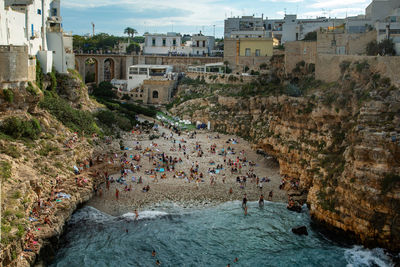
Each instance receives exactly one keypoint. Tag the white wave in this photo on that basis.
(89, 213)
(147, 214)
(359, 256)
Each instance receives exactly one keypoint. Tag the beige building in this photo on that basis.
(151, 84)
(250, 52)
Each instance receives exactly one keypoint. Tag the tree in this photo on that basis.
(311, 36)
(372, 48)
(135, 47)
(130, 31)
(384, 48)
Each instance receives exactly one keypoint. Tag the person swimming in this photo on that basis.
(261, 201)
(244, 202)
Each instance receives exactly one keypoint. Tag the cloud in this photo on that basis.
(338, 3)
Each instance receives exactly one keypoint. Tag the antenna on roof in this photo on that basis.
(285, 11)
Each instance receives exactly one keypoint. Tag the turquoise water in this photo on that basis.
(211, 236)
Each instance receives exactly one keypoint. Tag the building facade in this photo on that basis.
(151, 84)
(250, 52)
(162, 44)
(37, 25)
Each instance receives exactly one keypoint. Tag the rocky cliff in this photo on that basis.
(340, 142)
(35, 161)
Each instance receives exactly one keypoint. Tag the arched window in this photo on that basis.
(155, 94)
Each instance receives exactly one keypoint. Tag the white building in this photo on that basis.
(379, 10)
(37, 24)
(137, 74)
(162, 44)
(202, 45)
(245, 23)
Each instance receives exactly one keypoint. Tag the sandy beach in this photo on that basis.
(184, 191)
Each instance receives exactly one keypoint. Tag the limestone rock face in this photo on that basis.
(346, 157)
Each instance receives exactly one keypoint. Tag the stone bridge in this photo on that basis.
(105, 67)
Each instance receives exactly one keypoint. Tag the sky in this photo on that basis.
(190, 16)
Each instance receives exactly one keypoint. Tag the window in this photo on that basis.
(54, 12)
(141, 95)
(143, 71)
(136, 95)
(155, 94)
(164, 42)
(204, 43)
(174, 42)
(39, 11)
(153, 41)
(248, 52)
(258, 52)
(130, 77)
(198, 43)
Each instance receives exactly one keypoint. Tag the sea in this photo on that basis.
(206, 236)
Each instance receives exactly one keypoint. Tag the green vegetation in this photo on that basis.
(11, 150)
(389, 182)
(101, 41)
(384, 48)
(39, 75)
(48, 148)
(344, 65)
(109, 119)
(31, 89)
(311, 36)
(8, 95)
(5, 170)
(190, 81)
(53, 79)
(18, 128)
(76, 120)
(135, 47)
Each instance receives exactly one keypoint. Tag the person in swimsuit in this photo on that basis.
(244, 202)
(261, 201)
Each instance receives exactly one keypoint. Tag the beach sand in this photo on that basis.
(180, 191)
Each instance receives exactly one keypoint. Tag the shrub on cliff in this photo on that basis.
(389, 182)
(8, 95)
(76, 120)
(104, 90)
(5, 170)
(111, 119)
(18, 128)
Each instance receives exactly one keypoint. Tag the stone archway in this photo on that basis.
(109, 69)
(91, 70)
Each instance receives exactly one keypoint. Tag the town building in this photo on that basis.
(151, 84)
(202, 45)
(208, 68)
(247, 52)
(36, 24)
(242, 24)
(162, 44)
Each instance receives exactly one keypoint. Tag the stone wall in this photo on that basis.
(327, 68)
(13, 64)
(123, 62)
(299, 51)
(344, 43)
(218, 78)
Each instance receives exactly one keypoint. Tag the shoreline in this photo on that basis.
(172, 190)
(213, 188)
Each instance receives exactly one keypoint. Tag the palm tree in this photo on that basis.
(130, 31)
